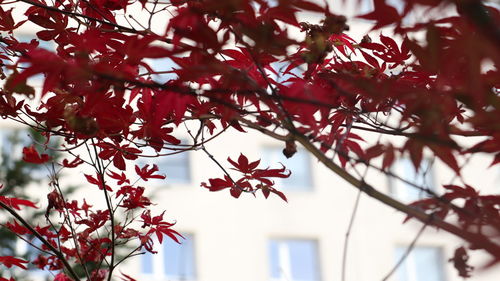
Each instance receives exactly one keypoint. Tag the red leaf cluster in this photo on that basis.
(16, 203)
(250, 174)
(31, 155)
(10, 261)
(235, 64)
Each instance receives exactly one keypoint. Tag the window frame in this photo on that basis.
(425, 178)
(272, 157)
(163, 163)
(285, 259)
(158, 270)
(410, 261)
(157, 65)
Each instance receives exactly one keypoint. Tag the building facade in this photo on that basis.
(257, 239)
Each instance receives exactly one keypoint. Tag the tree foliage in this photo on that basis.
(245, 65)
(16, 177)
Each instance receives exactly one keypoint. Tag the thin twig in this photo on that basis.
(406, 253)
(100, 169)
(59, 254)
(478, 239)
(348, 233)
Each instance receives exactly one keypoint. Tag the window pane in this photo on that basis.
(163, 66)
(298, 164)
(274, 260)
(428, 258)
(173, 261)
(402, 272)
(147, 263)
(179, 258)
(175, 167)
(423, 178)
(47, 45)
(294, 260)
(279, 74)
(303, 260)
(422, 264)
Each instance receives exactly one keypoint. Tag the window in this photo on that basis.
(176, 166)
(172, 262)
(164, 67)
(281, 67)
(423, 178)
(48, 45)
(422, 264)
(298, 164)
(294, 260)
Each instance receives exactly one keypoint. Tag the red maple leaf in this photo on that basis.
(145, 173)
(118, 153)
(243, 165)
(16, 203)
(17, 228)
(31, 155)
(97, 181)
(217, 184)
(121, 178)
(159, 227)
(73, 164)
(62, 277)
(126, 277)
(10, 261)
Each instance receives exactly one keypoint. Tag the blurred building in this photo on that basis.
(254, 239)
(257, 239)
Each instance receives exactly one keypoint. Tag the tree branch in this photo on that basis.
(59, 254)
(470, 237)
